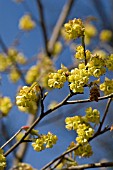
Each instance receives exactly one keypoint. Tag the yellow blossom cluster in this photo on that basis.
(81, 124)
(40, 71)
(109, 62)
(2, 160)
(26, 23)
(57, 79)
(45, 141)
(23, 166)
(106, 35)
(92, 115)
(74, 28)
(8, 63)
(80, 53)
(84, 150)
(78, 78)
(5, 105)
(96, 66)
(107, 86)
(26, 99)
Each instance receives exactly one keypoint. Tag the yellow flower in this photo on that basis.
(106, 35)
(5, 105)
(26, 23)
(74, 28)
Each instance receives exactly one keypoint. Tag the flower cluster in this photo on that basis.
(107, 86)
(84, 150)
(57, 48)
(106, 35)
(40, 71)
(80, 53)
(84, 131)
(3, 62)
(26, 23)
(81, 124)
(8, 62)
(74, 28)
(78, 78)
(92, 115)
(22, 165)
(14, 74)
(14, 55)
(26, 99)
(44, 141)
(96, 66)
(57, 79)
(109, 62)
(73, 122)
(2, 160)
(5, 105)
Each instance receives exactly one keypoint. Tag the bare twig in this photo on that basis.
(42, 22)
(105, 114)
(35, 123)
(83, 45)
(5, 49)
(74, 148)
(88, 100)
(92, 165)
(11, 138)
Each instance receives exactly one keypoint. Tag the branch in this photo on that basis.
(42, 22)
(93, 165)
(88, 100)
(65, 12)
(35, 123)
(105, 114)
(74, 148)
(5, 49)
(83, 45)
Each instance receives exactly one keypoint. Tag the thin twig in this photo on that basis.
(72, 149)
(92, 165)
(35, 123)
(88, 100)
(11, 138)
(83, 45)
(42, 22)
(5, 49)
(105, 114)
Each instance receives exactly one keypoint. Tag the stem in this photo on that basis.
(92, 165)
(33, 85)
(74, 148)
(11, 138)
(83, 45)
(35, 123)
(88, 100)
(42, 22)
(105, 114)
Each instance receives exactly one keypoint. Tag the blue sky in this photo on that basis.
(31, 44)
